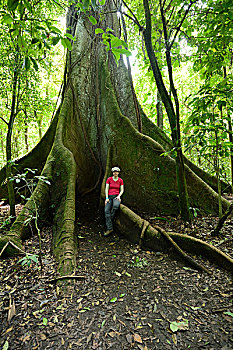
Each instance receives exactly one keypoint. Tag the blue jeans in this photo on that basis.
(110, 210)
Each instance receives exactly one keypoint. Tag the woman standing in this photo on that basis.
(113, 191)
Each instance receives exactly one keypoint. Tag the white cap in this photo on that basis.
(115, 168)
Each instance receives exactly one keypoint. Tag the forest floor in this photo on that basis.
(128, 299)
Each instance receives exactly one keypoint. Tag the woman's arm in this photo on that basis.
(106, 193)
(121, 192)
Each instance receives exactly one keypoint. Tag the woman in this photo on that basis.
(113, 191)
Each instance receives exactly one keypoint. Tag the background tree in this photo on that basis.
(28, 33)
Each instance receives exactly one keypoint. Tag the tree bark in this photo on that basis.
(159, 110)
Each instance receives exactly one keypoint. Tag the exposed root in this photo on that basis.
(144, 228)
(186, 257)
(22, 228)
(63, 199)
(67, 277)
(130, 224)
(221, 221)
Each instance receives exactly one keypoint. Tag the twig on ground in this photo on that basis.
(65, 278)
(222, 309)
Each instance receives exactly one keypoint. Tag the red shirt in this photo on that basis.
(114, 186)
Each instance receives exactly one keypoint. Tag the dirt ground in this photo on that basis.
(127, 298)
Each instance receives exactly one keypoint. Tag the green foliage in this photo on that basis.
(29, 34)
(29, 260)
(138, 262)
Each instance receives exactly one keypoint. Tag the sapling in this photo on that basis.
(29, 183)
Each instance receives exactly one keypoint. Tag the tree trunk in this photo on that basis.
(97, 129)
(159, 109)
(10, 187)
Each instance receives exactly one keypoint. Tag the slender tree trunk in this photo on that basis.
(39, 121)
(230, 133)
(172, 114)
(2, 145)
(10, 187)
(26, 136)
(15, 144)
(159, 109)
(217, 172)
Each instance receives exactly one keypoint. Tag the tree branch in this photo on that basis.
(181, 22)
(4, 120)
(137, 21)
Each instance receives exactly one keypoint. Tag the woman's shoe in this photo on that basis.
(108, 232)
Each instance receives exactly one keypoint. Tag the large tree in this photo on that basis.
(95, 128)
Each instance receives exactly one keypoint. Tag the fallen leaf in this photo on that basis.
(137, 338)
(112, 334)
(182, 326)
(129, 338)
(117, 273)
(42, 336)
(174, 338)
(89, 338)
(228, 318)
(26, 338)
(11, 311)
(8, 330)
(113, 300)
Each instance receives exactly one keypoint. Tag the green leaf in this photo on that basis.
(70, 36)
(34, 41)
(45, 321)
(122, 295)
(116, 55)
(159, 218)
(34, 258)
(35, 65)
(115, 41)
(92, 20)
(55, 40)
(12, 4)
(66, 43)
(27, 5)
(54, 29)
(86, 4)
(99, 31)
(6, 345)
(26, 63)
(102, 2)
(175, 326)
(228, 313)
(93, 4)
(21, 8)
(7, 19)
(113, 300)
(122, 51)
(195, 307)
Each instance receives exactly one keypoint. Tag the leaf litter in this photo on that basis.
(157, 305)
